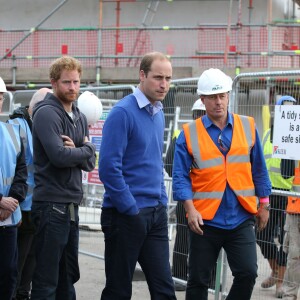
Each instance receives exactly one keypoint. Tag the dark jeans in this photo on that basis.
(8, 261)
(57, 241)
(26, 256)
(141, 238)
(274, 228)
(240, 247)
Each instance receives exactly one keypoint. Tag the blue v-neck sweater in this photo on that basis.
(130, 164)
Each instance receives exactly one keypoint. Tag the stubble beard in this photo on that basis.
(66, 97)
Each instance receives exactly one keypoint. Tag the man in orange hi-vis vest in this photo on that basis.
(220, 175)
(291, 282)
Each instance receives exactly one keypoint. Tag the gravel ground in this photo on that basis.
(92, 279)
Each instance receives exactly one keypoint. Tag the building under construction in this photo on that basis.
(256, 42)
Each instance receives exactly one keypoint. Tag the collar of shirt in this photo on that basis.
(143, 102)
(208, 123)
(221, 138)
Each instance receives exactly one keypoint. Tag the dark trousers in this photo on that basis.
(240, 247)
(141, 238)
(8, 261)
(57, 242)
(274, 228)
(26, 256)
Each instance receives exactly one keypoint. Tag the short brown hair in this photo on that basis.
(148, 59)
(64, 63)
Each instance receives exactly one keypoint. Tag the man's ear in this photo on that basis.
(142, 75)
(53, 83)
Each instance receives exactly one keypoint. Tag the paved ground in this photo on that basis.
(93, 278)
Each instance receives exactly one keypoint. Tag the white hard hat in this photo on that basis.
(2, 86)
(198, 105)
(214, 81)
(91, 106)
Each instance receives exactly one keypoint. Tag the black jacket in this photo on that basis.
(22, 112)
(58, 170)
(18, 189)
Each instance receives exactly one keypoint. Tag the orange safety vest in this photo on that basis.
(210, 171)
(293, 206)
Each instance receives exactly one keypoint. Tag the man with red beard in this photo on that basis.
(61, 151)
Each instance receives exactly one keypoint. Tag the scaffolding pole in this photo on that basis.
(228, 33)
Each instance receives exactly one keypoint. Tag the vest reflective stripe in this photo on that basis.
(10, 150)
(240, 158)
(266, 141)
(273, 165)
(246, 193)
(293, 206)
(198, 162)
(266, 137)
(23, 137)
(13, 138)
(23, 134)
(274, 169)
(8, 181)
(209, 169)
(247, 130)
(296, 182)
(296, 188)
(194, 145)
(26, 137)
(207, 195)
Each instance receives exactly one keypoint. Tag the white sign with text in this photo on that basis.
(286, 134)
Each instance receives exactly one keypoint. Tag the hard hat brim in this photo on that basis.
(200, 93)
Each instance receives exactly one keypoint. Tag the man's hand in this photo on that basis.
(4, 214)
(262, 217)
(68, 142)
(9, 203)
(194, 217)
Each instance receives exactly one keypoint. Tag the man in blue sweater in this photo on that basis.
(134, 217)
